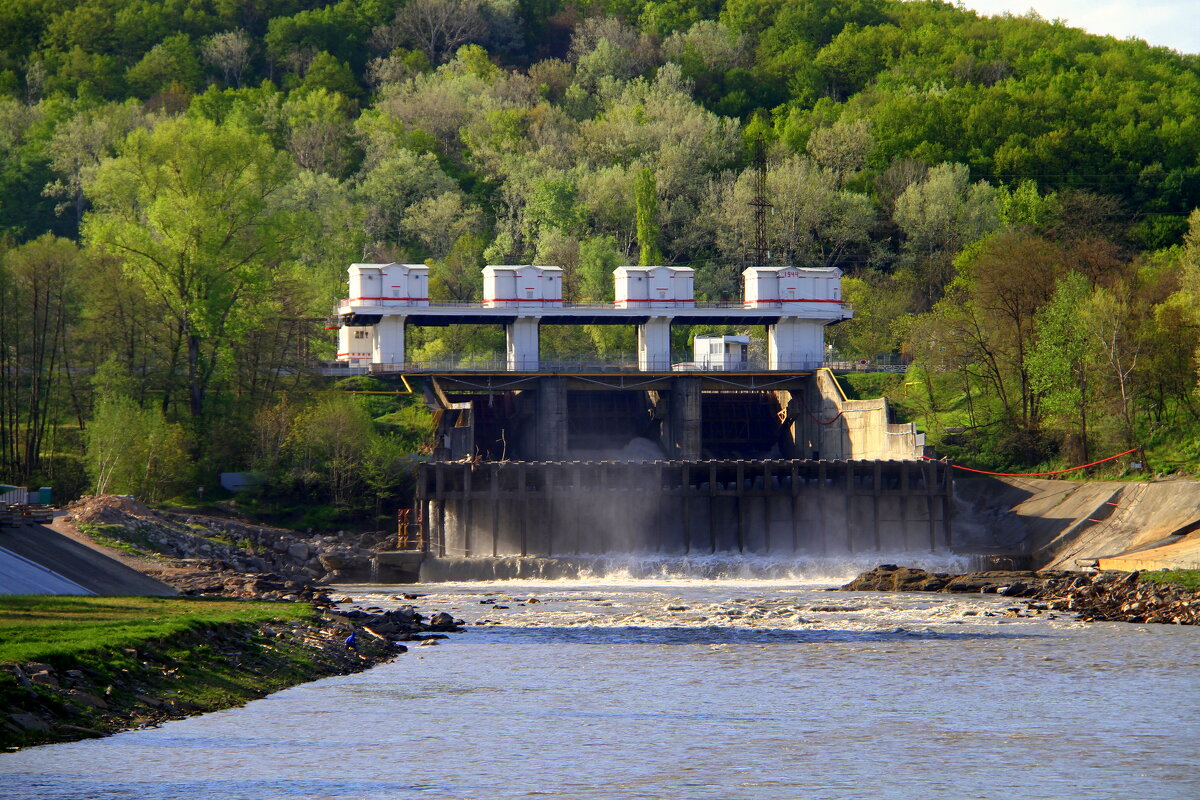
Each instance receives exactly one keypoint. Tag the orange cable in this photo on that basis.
(1037, 474)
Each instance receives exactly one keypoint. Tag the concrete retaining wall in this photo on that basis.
(838, 428)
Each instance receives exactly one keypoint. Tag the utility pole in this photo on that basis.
(761, 204)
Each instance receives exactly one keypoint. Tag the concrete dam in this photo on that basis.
(761, 507)
(716, 451)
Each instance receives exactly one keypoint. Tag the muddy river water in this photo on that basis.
(690, 690)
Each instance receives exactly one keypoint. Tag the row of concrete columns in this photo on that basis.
(792, 344)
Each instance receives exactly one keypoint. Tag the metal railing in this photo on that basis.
(613, 364)
(586, 304)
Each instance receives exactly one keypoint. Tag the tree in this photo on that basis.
(646, 200)
(598, 257)
(81, 143)
(1061, 360)
(38, 284)
(319, 130)
(439, 222)
(1021, 206)
(459, 276)
(195, 212)
(229, 52)
(939, 216)
(134, 450)
(326, 444)
(172, 62)
(812, 222)
(326, 73)
(1105, 319)
(395, 183)
(436, 27)
(842, 148)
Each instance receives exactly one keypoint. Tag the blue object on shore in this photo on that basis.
(351, 642)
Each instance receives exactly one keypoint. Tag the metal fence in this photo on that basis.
(615, 364)
(589, 304)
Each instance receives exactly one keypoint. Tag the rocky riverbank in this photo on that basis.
(213, 667)
(1093, 597)
(213, 556)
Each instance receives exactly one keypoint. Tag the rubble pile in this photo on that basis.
(1095, 597)
(204, 555)
(1121, 597)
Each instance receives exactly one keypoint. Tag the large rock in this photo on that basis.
(298, 551)
(891, 578)
(29, 722)
(441, 621)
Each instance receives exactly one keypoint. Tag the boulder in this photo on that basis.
(86, 699)
(44, 678)
(29, 722)
(441, 621)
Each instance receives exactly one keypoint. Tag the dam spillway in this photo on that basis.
(762, 507)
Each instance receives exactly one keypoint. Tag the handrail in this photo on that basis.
(613, 305)
(681, 364)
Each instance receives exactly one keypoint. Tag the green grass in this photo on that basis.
(120, 537)
(41, 628)
(1187, 578)
(969, 430)
(869, 385)
(153, 658)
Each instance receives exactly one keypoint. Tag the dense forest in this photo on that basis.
(183, 184)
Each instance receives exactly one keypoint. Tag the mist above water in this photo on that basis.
(716, 568)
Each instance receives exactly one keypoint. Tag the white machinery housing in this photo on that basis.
(389, 285)
(787, 288)
(522, 286)
(654, 287)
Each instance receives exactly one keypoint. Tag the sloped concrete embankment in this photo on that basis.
(1061, 524)
(35, 559)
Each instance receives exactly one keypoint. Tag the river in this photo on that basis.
(689, 690)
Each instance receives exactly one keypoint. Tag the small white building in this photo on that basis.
(356, 345)
(790, 288)
(654, 287)
(721, 352)
(522, 286)
(389, 285)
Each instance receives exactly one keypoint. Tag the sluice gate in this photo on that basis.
(763, 507)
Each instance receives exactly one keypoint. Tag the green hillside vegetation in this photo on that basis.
(183, 184)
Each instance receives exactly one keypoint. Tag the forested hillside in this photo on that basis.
(183, 183)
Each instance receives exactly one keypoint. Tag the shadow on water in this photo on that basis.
(716, 635)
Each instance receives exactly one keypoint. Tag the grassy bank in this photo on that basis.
(1187, 578)
(40, 628)
(73, 667)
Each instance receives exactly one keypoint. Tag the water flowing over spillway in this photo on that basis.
(613, 687)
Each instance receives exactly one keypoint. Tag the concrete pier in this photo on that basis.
(764, 507)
